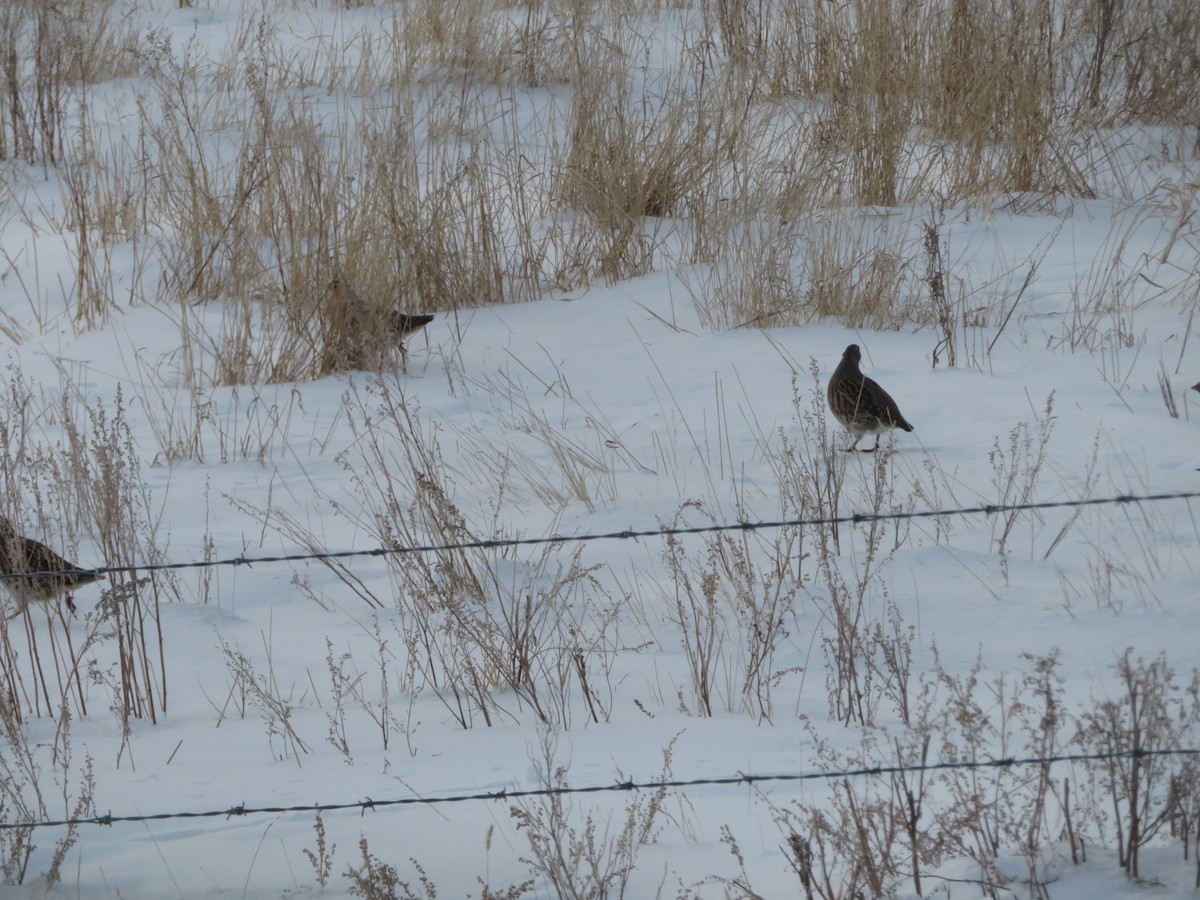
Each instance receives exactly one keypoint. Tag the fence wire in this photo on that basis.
(370, 805)
(627, 534)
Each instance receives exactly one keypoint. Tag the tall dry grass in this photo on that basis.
(443, 161)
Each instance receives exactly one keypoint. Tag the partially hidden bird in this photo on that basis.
(36, 574)
(861, 405)
(361, 333)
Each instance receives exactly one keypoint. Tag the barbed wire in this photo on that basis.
(370, 805)
(627, 534)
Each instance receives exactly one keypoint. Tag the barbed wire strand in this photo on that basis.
(627, 534)
(370, 805)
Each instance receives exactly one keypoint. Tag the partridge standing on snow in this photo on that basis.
(360, 334)
(861, 405)
(42, 574)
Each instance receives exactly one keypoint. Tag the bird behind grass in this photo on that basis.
(360, 334)
(35, 573)
(861, 405)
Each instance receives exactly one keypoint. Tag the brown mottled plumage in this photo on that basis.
(360, 333)
(861, 405)
(46, 574)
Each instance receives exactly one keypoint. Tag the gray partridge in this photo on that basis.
(44, 574)
(861, 405)
(361, 333)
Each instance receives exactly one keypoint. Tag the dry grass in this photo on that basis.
(450, 190)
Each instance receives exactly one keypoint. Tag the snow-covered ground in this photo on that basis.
(776, 651)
